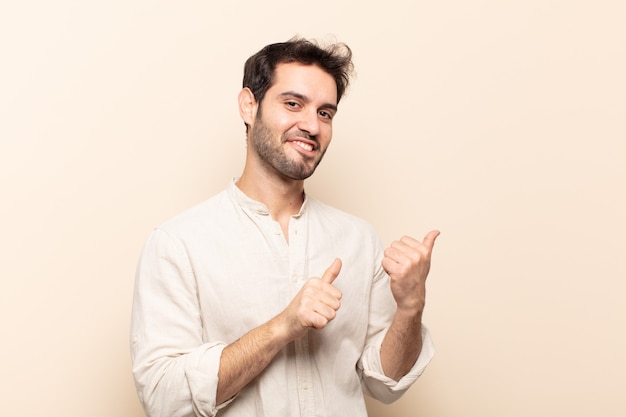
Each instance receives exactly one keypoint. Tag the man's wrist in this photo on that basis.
(409, 316)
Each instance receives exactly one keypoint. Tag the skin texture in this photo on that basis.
(288, 134)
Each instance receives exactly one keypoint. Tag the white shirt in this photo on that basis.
(222, 268)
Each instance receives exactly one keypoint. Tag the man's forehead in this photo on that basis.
(304, 79)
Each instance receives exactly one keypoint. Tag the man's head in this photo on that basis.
(288, 101)
(260, 68)
(292, 133)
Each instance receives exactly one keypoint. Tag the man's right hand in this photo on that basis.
(315, 305)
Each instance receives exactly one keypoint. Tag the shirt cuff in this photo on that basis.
(387, 389)
(202, 379)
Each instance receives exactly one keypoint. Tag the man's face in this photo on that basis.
(293, 127)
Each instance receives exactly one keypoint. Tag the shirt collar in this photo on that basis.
(246, 202)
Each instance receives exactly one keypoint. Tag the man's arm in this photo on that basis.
(407, 263)
(314, 306)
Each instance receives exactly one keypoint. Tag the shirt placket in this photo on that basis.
(298, 272)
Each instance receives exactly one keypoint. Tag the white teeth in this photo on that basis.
(303, 145)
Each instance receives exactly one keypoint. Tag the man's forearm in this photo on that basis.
(245, 358)
(402, 345)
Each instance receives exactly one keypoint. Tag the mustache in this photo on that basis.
(299, 134)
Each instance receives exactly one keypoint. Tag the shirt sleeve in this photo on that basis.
(175, 369)
(377, 385)
(382, 309)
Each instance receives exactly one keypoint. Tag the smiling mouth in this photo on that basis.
(306, 146)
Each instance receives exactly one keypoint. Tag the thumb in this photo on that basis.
(332, 271)
(429, 239)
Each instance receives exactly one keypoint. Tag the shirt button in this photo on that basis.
(305, 385)
(296, 278)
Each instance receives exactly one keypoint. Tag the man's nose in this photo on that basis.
(309, 122)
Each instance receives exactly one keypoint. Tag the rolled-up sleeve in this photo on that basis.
(175, 370)
(377, 385)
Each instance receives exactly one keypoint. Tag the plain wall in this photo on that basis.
(502, 123)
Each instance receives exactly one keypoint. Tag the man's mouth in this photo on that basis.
(306, 146)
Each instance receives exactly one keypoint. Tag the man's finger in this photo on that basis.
(332, 271)
(429, 239)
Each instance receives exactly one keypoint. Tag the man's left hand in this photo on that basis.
(407, 261)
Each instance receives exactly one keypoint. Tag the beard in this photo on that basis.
(273, 154)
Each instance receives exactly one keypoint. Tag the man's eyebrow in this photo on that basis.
(306, 99)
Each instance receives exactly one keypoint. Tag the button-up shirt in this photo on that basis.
(222, 268)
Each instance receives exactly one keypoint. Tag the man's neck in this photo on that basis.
(282, 196)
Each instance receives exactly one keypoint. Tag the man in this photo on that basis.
(262, 301)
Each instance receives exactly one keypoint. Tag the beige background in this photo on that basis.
(501, 123)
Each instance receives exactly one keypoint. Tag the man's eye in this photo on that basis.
(325, 114)
(292, 104)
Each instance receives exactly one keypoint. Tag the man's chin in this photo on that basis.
(300, 171)
(299, 174)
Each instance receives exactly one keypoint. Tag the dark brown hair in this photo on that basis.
(335, 59)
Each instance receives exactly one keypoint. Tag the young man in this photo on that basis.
(262, 301)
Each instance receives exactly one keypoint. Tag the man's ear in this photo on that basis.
(247, 106)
